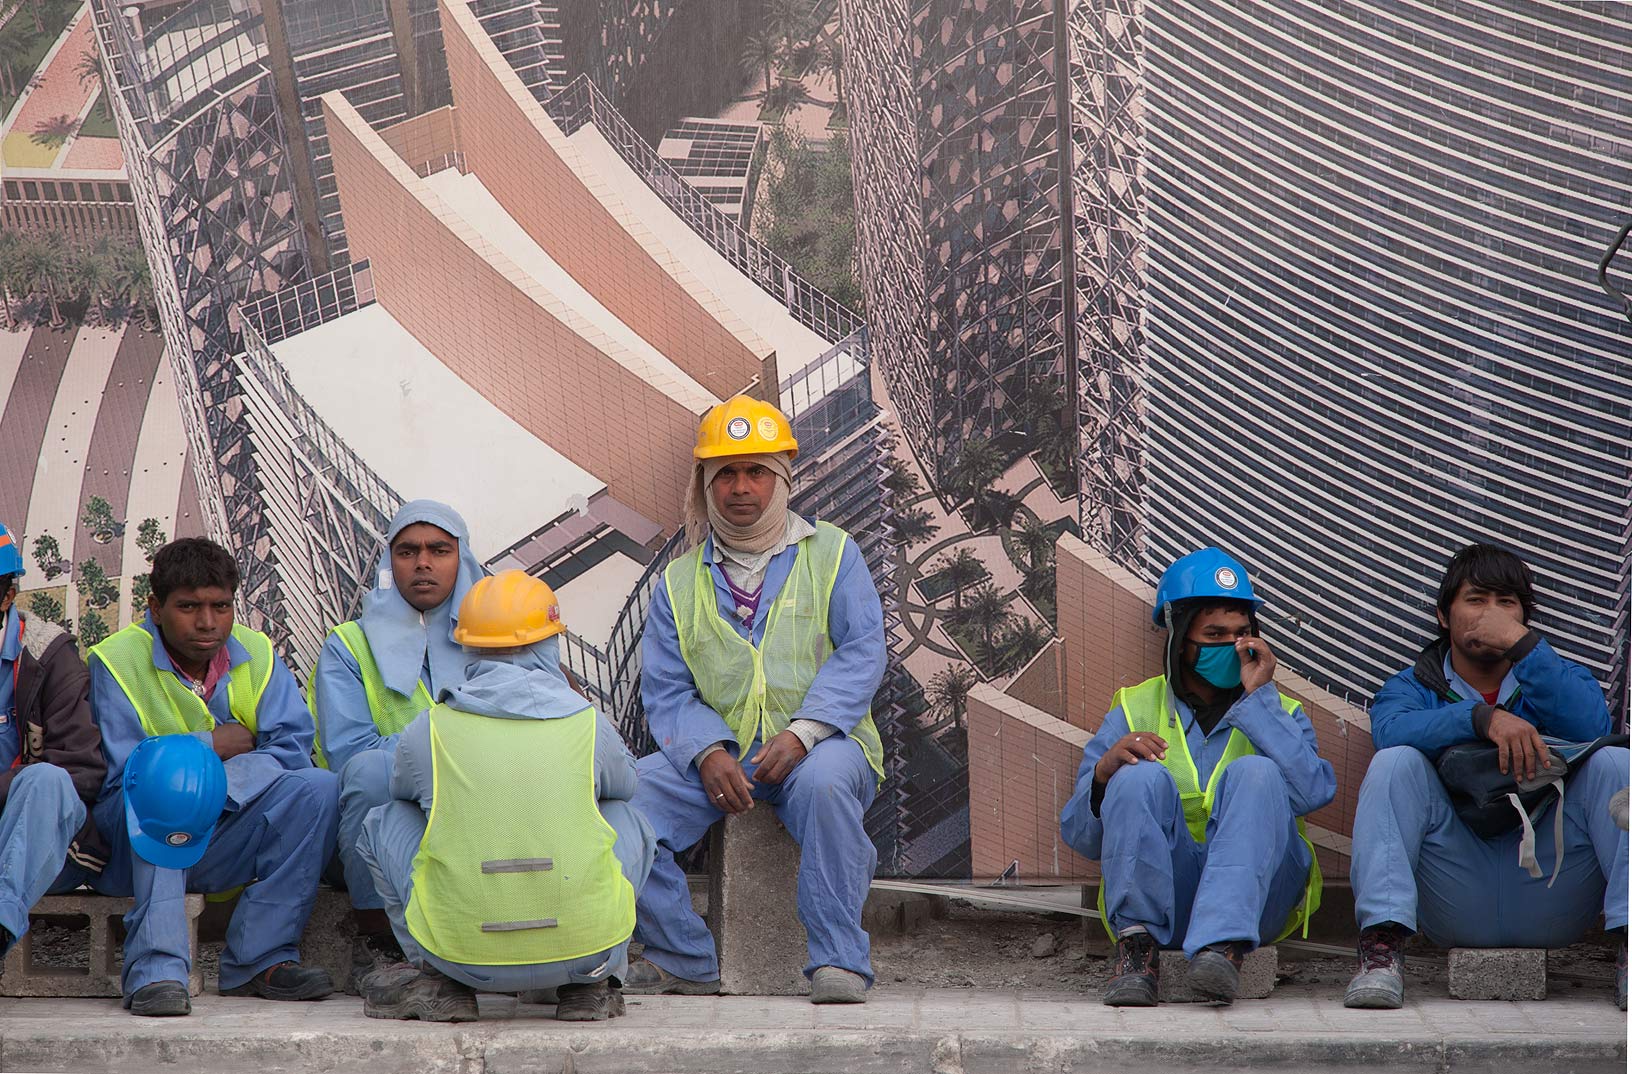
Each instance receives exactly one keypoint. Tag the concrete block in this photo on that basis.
(900, 913)
(1498, 972)
(1257, 976)
(753, 873)
(100, 978)
(329, 932)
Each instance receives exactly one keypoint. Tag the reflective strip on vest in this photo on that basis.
(1145, 707)
(390, 710)
(758, 690)
(516, 866)
(167, 706)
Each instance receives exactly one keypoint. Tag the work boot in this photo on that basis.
(829, 984)
(1380, 984)
(588, 1002)
(286, 981)
(427, 995)
(1133, 983)
(161, 999)
(370, 953)
(1620, 972)
(1215, 972)
(649, 979)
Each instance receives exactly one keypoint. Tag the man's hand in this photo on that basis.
(1130, 749)
(1519, 748)
(777, 758)
(1257, 662)
(231, 739)
(727, 787)
(1497, 629)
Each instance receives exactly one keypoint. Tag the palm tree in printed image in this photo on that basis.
(53, 133)
(43, 268)
(961, 568)
(1020, 642)
(90, 72)
(986, 611)
(1035, 542)
(970, 478)
(760, 53)
(133, 281)
(830, 60)
(948, 692)
(90, 277)
(790, 22)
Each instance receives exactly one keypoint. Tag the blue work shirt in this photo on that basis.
(841, 694)
(11, 648)
(1425, 707)
(283, 736)
(1287, 738)
(341, 705)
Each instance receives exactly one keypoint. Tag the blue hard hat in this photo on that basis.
(175, 788)
(11, 555)
(1207, 573)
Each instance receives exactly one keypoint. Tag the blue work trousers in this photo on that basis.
(1242, 883)
(365, 785)
(390, 839)
(41, 815)
(277, 843)
(821, 803)
(1415, 863)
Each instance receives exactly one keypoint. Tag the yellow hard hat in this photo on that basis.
(506, 611)
(744, 426)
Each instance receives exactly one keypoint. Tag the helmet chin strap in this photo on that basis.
(1167, 667)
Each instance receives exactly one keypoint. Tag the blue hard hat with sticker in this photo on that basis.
(1209, 572)
(175, 787)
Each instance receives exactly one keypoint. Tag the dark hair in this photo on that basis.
(192, 563)
(1488, 566)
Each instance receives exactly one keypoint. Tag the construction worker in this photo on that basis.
(523, 877)
(1190, 793)
(1489, 676)
(187, 668)
(375, 674)
(763, 649)
(51, 764)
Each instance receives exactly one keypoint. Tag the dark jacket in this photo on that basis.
(1418, 707)
(55, 726)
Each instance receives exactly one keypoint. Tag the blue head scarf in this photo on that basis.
(402, 639)
(527, 684)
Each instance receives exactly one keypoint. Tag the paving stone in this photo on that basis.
(753, 906)
(100, 978)
(1498, 973)
(1257, 976)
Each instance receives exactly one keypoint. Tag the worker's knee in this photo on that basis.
(1139, 785)
(1400, 766)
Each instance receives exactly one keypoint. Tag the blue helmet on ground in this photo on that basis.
(175, 787)
(11, 554)
(1207, 573)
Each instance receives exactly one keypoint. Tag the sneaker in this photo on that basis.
(1133, 982)
(1380, 984)
(829, 984)
(285, 981)
(426, 995)
(1215, 972)
(649, 979)
(370, 953)
(161, 999)
(588, 1002)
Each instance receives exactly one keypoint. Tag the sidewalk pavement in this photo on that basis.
(898, 1031)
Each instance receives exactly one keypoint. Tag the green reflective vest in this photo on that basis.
(516, 865)
(391, 711)
(758, 690)
(166, 705)
(1146, 709)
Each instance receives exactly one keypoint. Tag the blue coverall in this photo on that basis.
(1415, 863)
(392, 833)
(278, 830)
(821, 802)
(42, 809)
(1244, 880)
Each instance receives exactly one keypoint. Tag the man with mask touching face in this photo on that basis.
(376, 674)
(1189, 796)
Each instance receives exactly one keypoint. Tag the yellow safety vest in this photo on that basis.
(391, 711)
(759, 689)
(1145, 708)
(516, 866)
(167, 706)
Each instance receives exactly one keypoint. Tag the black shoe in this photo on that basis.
(370, 953)
(427, 995)
(161, 999)
(1215, 972)
(588, 1002)
(649, 979)
(1133, 982)
(287, 981)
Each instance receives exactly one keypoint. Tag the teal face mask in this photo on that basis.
(1219, 664)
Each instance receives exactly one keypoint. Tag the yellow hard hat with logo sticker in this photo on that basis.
(507, 611)
(744, 426)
